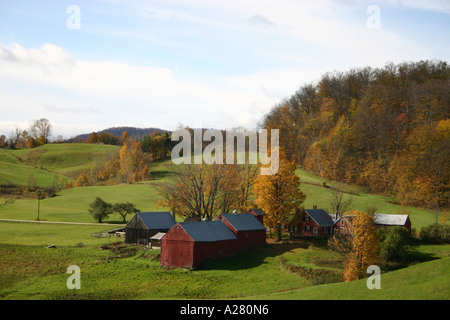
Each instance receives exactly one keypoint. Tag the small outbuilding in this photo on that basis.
(247, 228)
(344, 223)
(144, 225)
(388, 220)
(258, 213)
(187, 244)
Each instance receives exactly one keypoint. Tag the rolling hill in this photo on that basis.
(64, 160)
(69, 160)
(424, 281)
(137, 133)
(427, 280)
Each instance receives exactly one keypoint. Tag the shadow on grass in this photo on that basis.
(160, 174)
(251, 258)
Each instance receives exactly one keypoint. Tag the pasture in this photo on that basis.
(30, 270)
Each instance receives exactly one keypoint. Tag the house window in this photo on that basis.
(306, 218)
(342, 222)
(307, 229)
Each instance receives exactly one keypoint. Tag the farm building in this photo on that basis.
(380, 219)
(402, 220)
(248, 230)
(258, 213)
(187, 244)
(144, 225)
(343, 223)
(312, 223)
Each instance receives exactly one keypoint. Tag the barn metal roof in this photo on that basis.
(243, 221)
(390, 219)
(208, 231)
(157, 220)
(320, 216)
(158, 236)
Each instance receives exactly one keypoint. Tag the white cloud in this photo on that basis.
(286, 42)
(48, 82)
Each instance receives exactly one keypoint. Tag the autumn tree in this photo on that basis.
(82, 180)
(133, 163)
(279, 194)
(92, 138)
(158, 145)
(365, 250)
(380, 128)
(247, 174)
(201, 191)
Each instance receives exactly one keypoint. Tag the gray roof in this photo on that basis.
(243, 221)
(157, 220)
(208, 231)
(390, 219)
(158, 236)
(320, 216)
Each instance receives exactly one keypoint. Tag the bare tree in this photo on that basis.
(201, 191)
(14, 138)
(339, 203)
(41, 129)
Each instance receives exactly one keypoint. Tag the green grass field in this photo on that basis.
(28, 270)
(425, 281)
(44, 162)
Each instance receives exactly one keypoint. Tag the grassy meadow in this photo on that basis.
(110, 270)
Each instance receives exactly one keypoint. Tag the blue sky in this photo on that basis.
(210, 63)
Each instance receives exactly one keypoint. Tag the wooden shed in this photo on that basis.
(187, 244)
(247, 227)
(390, 220)
(144, 225)
(345, 222)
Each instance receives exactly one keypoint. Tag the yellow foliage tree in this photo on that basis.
(365, 246)
(82, 181)
(279, 194)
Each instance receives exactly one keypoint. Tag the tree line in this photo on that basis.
(38, 134)
(203, 191)
(384, 129)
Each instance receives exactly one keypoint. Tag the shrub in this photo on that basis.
(436, 232)
(394, 243)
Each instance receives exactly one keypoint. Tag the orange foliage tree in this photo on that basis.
(279, 194)
(365, 247)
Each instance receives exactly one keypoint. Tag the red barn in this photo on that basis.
(258, 213)
(187, 244)
(248, 229)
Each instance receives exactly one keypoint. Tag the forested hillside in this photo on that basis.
(386, 129)
(137, 133)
